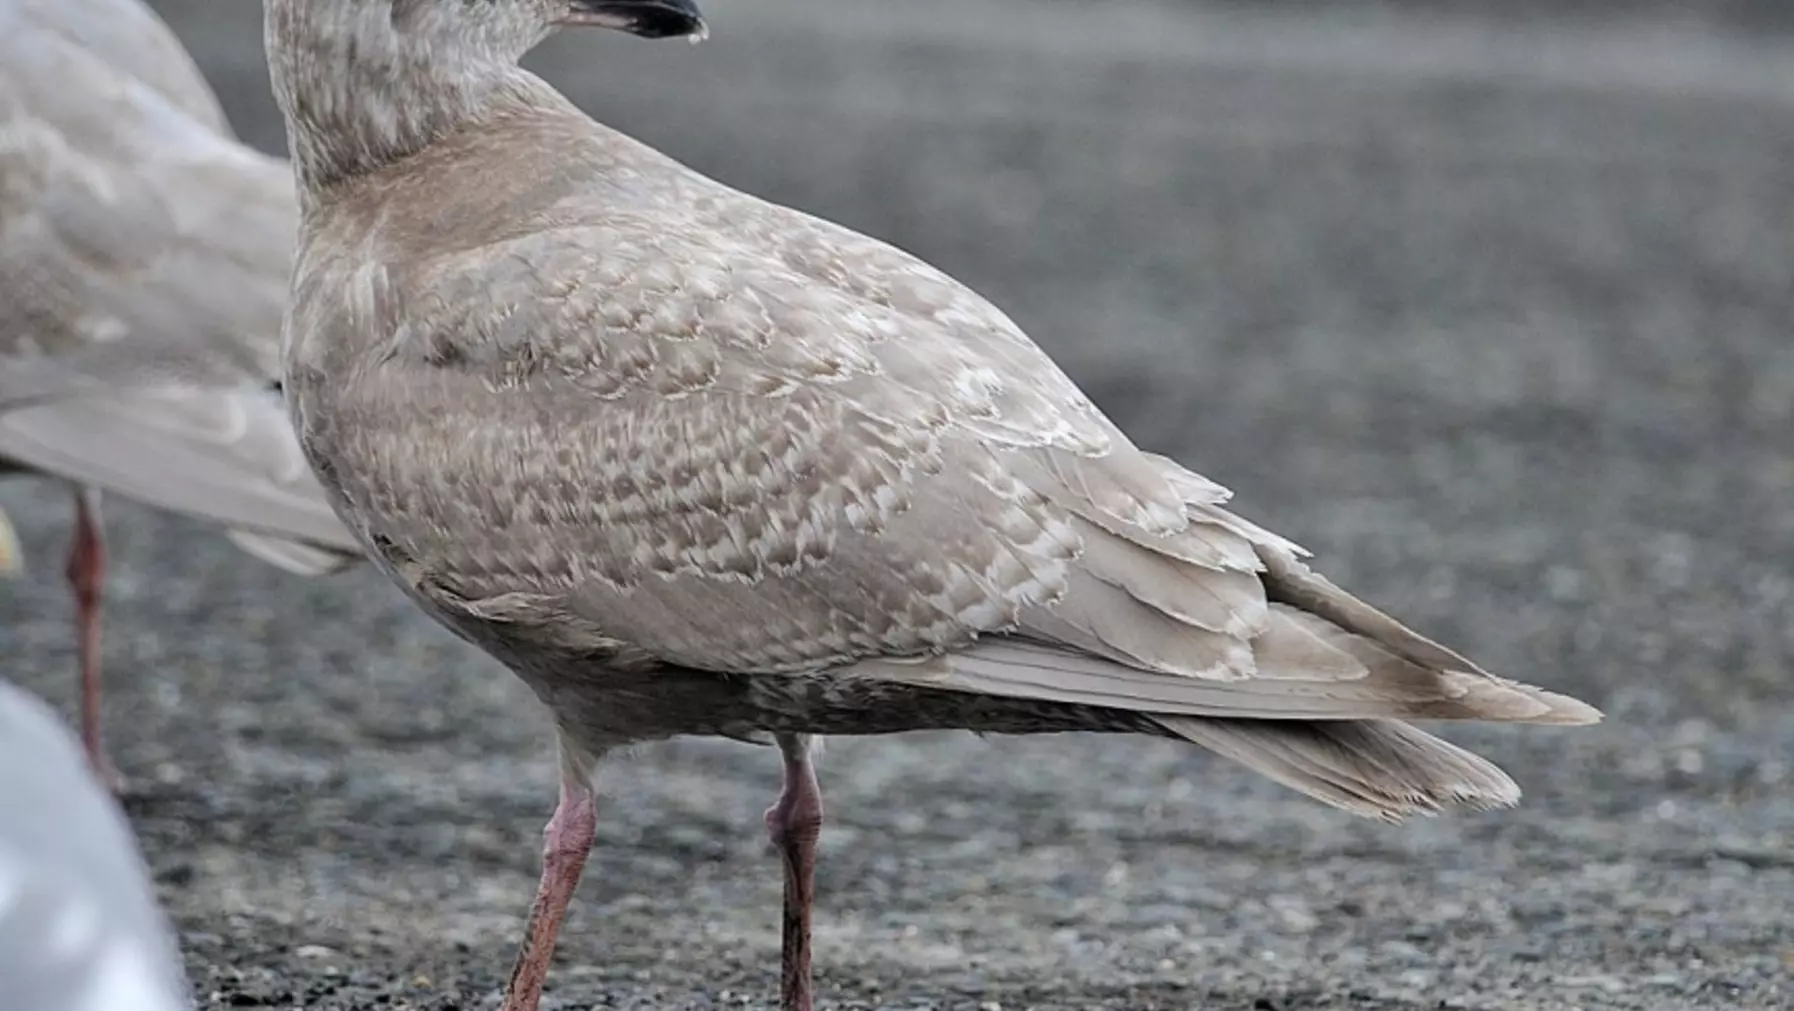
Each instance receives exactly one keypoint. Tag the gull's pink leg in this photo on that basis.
(795, 823)
(567, 840)
(87, 576)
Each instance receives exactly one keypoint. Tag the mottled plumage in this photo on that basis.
(79, 925)
(144, 261)
(694, 463)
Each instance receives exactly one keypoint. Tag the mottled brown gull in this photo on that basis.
(695, 464)
(144, 260)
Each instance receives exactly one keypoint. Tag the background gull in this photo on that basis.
(143, 259)
(692, 463)
(79, 925)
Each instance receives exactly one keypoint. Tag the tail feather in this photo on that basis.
(1380, 769)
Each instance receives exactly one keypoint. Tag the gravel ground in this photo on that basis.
(1493, 318)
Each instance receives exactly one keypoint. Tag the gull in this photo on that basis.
(144, 259)
(691, 463)
(79, 926)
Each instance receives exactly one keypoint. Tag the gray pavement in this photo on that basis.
(1495, 318)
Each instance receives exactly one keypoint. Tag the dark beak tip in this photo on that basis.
(648, 19)
(660, 23)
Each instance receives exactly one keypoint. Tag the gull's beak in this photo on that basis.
(651, 19)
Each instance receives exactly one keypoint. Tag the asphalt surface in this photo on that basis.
(1495, 318)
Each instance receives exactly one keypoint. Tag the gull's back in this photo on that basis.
(79, 926)
(144, 254)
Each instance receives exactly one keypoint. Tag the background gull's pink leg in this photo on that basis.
(87, 576)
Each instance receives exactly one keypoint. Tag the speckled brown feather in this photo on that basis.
(693, 463)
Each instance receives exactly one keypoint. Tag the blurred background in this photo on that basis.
(1487, 304)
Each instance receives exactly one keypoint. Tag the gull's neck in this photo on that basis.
(358, 96)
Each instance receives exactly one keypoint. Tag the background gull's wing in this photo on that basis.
(144, 255)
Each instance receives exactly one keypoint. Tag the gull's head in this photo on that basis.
(505, 28)
(400, 36)
(511, 27)
(365, 81)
